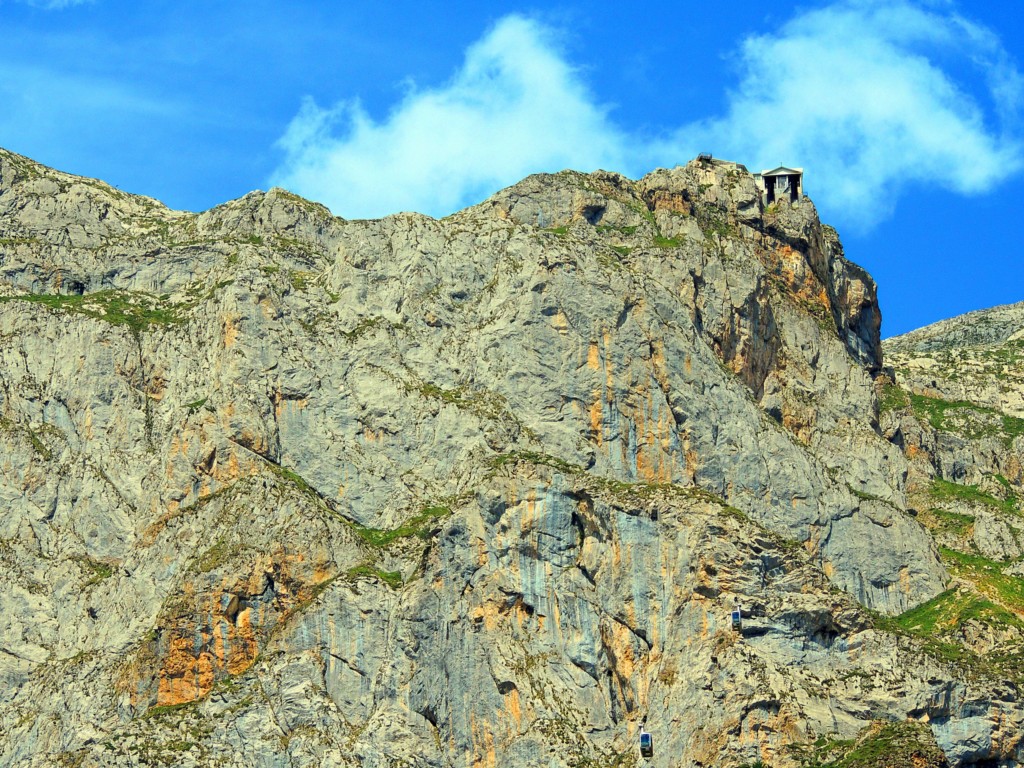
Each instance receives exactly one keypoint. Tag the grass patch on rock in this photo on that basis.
(484, 404)
(968, 419)
(988, 577)
(892, 397)
(985, 607)
(215, 556)
(97, 570)
(944, 521)
(666, 242)
(881, 745)
(943, 490)
(949, 611)
(165, 710)
(534, 457)
(392, 578)
(137, 310)
(418, 525)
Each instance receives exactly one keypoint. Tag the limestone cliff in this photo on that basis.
(286, 489)
(952, 401)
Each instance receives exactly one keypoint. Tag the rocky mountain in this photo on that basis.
(955, 408)
(283, 489)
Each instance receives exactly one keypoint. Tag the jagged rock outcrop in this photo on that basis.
(285, 489)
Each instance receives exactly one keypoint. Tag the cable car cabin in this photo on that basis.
(646, 744)
(737, 620)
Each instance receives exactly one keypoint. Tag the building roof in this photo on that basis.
(730, 164)
(783, 171)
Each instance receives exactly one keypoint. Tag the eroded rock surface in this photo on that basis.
(286, 489)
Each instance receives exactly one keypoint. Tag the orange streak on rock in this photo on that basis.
(597, 419)
(513, 707)
(229, 330)
(905, 580)
(243, 646)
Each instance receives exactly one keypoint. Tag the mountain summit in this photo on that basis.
(502, 489)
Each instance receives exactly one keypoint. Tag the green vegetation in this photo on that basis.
(315, 591)
(993, 599)
(944, 521)
(943, 490)
(975, 358)
(7, 425)
(367, 324)
(628, 230)
(300, 280)
(179, 745)
(880, 744)
(713, 223)
(890, 740)
(610, 262)
(9, 241)
(37, 444)
(137, 310)
(195, 405)
(215, 556)
(214, 289)
(1011, 495)
(163, 710)
(291, 477)
(892, 398)
(98, 570)
(294, 246)
(417, 525)
(631, 492)
(934, 410)
(666, 242)
(946, 612)
(968, 419)
(987, 575)
(532, 457)
(641, 208)
(650, 491)
(560, 231)
(392, 578)
(486, 405)
(865, 496)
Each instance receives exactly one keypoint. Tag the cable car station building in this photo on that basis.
(781, 184)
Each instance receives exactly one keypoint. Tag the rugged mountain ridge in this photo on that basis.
(285, 489)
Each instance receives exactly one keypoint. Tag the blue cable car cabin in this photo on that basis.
(737, 619)
(646, 744)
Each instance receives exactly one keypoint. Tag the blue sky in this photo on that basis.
(906, 114)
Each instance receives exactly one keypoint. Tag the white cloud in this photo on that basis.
(54, 5)
(515, 107)
(854, 92)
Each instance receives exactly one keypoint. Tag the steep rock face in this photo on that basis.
(977, 357)
(956, 406)
(951, 400)
(282, 488)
